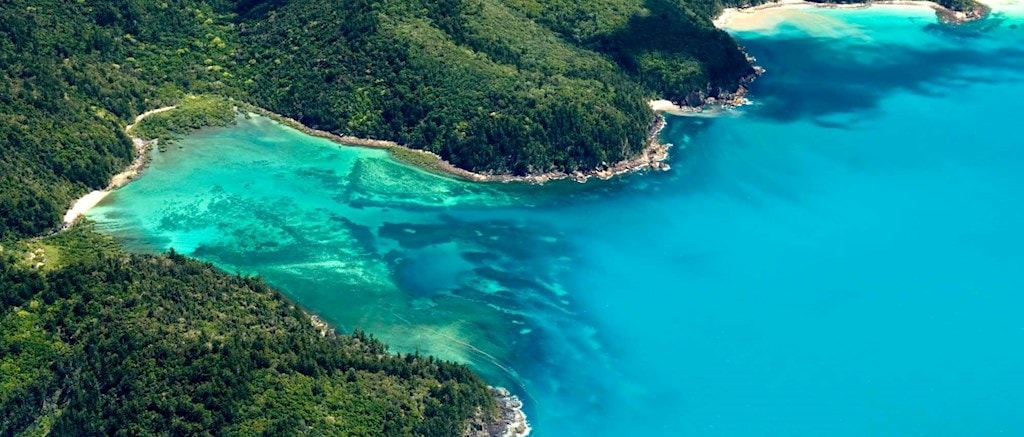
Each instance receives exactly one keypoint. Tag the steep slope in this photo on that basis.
(511, 98)
(490, 85)
(669, 45)
(72, 74)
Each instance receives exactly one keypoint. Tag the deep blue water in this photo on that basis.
(841, 258)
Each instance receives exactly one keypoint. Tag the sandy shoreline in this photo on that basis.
(748, 19)
(90, 200)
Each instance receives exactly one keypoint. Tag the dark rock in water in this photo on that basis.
(695, 99)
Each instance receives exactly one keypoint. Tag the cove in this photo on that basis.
(842, 257)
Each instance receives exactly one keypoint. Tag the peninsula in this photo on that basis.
(494, 89)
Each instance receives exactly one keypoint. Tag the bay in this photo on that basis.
(841, 257)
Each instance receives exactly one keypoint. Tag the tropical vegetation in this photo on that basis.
(95, 341)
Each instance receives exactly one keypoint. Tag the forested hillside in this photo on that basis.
(98, 342)
(506, 86)
(491, 85)
(73, 74)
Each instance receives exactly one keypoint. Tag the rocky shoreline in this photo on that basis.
(142, 148)
(950, 16)
(651, 158)
(698, 101)
(510, 421)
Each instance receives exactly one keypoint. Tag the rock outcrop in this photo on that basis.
(509, 422)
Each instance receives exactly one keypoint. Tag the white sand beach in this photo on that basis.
(88, 201)
(83, 205)
(664, 106)
(768, 16)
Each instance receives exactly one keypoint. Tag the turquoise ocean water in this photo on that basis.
(843, 257)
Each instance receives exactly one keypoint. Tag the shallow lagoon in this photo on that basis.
(841, 258)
